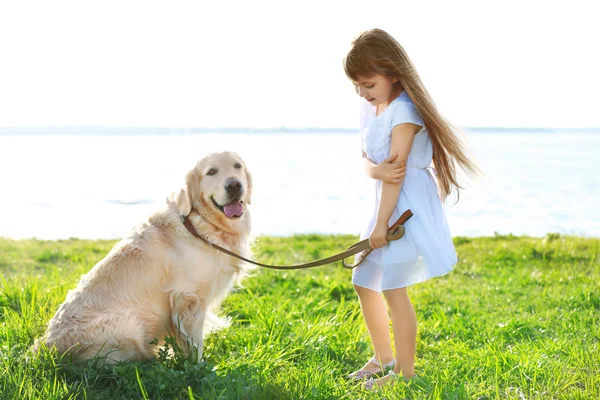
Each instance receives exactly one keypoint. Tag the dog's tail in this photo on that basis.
(37, 344)
(34, 350)
(213, 323)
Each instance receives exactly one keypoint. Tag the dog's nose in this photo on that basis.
(233, 188)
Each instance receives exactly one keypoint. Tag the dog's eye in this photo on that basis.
(212, 171)
(237, 165)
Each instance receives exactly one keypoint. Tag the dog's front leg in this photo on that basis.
(188, 313)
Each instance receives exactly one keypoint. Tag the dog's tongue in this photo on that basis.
(234, 209)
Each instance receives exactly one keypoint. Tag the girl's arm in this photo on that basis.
(402, 139)
(389, 170)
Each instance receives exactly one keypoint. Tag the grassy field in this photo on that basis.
(519, 318)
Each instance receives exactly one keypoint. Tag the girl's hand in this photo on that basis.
(378, 238)
(389, 171)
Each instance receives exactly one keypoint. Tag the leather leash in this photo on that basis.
(395, 232)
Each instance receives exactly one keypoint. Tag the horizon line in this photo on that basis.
(6, 129)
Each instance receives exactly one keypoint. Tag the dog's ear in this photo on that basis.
(184, 198)
(249, 180)
(184, 205)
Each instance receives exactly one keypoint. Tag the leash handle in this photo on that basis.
(395, 232)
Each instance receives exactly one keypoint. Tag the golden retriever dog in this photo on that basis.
(161, 280)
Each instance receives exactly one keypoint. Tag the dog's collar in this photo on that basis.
(188, 224)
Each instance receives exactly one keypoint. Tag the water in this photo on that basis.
(99, 186)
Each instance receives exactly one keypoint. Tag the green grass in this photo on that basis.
(519, 318)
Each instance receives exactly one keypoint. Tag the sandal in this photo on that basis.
(393, 377)
(358, 375)
(371, 384)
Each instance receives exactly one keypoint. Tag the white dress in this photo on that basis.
(426, 250)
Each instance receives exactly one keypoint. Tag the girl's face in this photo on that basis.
(377, 89)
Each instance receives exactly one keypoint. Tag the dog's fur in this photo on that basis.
(161, 280)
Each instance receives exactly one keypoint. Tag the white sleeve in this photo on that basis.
(406, 113)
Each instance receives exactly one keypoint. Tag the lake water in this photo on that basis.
(99, 186)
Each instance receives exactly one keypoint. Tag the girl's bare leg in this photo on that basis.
(377, 319)
(404, 324)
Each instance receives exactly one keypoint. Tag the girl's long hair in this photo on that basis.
(377, 52)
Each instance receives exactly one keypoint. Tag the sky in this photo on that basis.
(271, 64)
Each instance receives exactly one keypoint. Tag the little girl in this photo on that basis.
(400, 125)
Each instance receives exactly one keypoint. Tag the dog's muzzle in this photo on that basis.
(234, 189)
